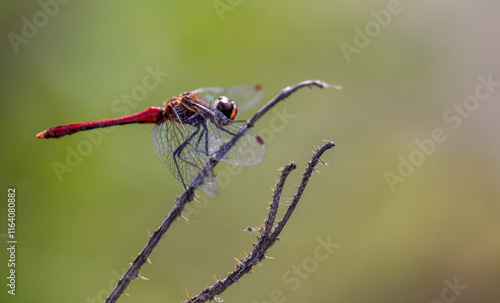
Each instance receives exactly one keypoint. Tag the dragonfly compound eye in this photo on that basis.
(226, 107)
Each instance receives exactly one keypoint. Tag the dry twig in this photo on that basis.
(267, 237)
(189, 194)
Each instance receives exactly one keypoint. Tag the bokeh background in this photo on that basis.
(435, 226)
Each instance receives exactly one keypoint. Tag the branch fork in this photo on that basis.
(267, 235)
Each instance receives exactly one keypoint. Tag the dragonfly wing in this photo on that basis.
(209, 94)
(173, 144)
(248, 150)
(246, 96)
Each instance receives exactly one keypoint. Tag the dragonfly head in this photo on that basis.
(227, 107)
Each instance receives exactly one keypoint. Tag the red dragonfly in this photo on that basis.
(190, 129)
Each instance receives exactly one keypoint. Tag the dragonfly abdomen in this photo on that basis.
(150, 115)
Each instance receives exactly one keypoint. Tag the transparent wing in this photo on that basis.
(172, 143)
(186, 147)
(248, 150)
(245, 97)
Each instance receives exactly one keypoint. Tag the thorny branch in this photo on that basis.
(266, 236)
(189, 194)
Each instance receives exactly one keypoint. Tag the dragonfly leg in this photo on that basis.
(177, 154)
(227, 131)
(205, 133)
(206, 141)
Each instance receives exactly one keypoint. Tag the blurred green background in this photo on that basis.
(406, 69)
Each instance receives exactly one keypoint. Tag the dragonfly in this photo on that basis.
(190, 130)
